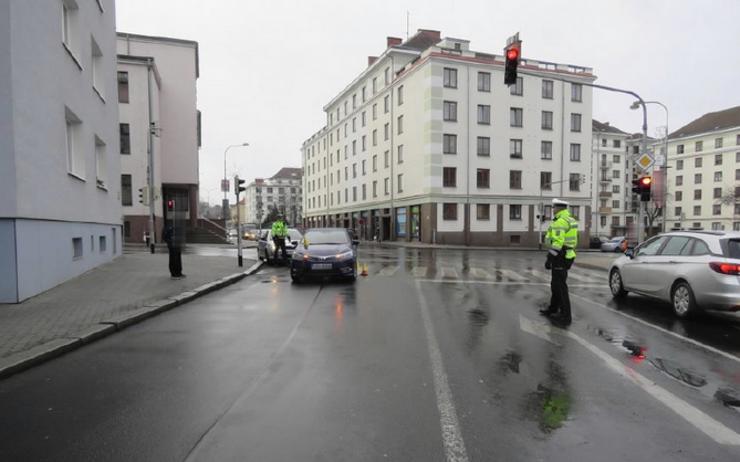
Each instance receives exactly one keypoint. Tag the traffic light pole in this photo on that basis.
(239, 259)
(643, 144)
(150, 158)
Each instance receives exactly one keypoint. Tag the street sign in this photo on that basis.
(645, 161)
(224, 185)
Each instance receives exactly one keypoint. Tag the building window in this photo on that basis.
(677, 211)
(101, 163)
(449, 143)
(737, 175)
(387, 159)
(484, 81)
(617, 143)
(363, 118)
(364, 167)
(698, 162)
(386, 104)
(546, 150)
(615, 189)
(375, 163)
(375, 137)
(574, 181)
(375, 85)
(449, 112)
(98, 77)
(718, 158)
(515, 179)
(717, 143)
(122, 87)
(363, 94)
(75, 156)
(576, 92)
(386, 182)
(615, 174)
(484, 114)
(76, 248)
(387, 75)
(354, 170)
(515, 149)
(483, 178)
(399, 157)
(449, 211)
(697, 178)
(354, 147)
(679, 180)
(400, 125)
(386, 131)
(400, 95)
(547, 120)
(575, 152)
(717, 193)
(375, 111)
(515, 212)
(518, 88)
(615, 204)
(575, 122)
(699, 146)
(515, 116)
(484, 146)
(483, 212)
(678, 196)
(546, 181)
(400, 182)
(717, 176)
(679, 149)
(450, 77)
(354, 101)
(125, 138)
(603, 221)
(547, 89)
(126, 194)
(679, 165)
(375, 188)
(616, 158)
(364, 143)
(449, 177)
(697, 210)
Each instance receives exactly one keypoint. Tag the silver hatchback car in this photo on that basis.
(691, 270)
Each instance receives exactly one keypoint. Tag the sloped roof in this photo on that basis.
(423, 39)
(710, 122)
(288, 172)
(604, 127)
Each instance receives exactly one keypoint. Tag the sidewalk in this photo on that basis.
(107, 298)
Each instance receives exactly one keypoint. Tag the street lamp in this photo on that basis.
(225, 204)
(636, 105)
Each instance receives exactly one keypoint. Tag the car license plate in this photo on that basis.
(321, 266)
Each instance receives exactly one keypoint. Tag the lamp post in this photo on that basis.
(225, 204)
(664, 167)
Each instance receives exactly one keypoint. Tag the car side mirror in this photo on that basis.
(630, 253)
(355, 242)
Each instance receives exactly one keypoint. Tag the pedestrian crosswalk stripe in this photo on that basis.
(539, 274)
(480, 273)
(448, 272)
(419, 271)
(537, 329)
(511, 275)
(586, 277)
(388, 271)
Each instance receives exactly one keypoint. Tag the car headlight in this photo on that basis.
(345, 255)
(297, 255)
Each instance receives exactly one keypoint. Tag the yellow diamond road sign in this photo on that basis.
(645, 161)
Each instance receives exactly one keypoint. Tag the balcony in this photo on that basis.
(605, 210)
(605, 194)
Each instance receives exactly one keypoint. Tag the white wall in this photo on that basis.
(7, 159)
(8, 274)
(176, 63)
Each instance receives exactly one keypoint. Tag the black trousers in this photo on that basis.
(175, 261)
(560, 299)
(280, 245)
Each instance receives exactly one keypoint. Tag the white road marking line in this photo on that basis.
(709, 426)
(451, 434)
(419, 271)
(665, 331)
(506, 283)
(480, 273)
(388, 271)
(586, 277)
(537, 329)
(513, 275)
(545, 276)
(448, 272)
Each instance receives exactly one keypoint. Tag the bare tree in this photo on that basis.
(652, 212)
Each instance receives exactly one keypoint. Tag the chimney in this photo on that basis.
(392, 41)
(371, 60)
(435, 34)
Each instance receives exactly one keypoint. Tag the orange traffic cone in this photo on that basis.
(364, 270)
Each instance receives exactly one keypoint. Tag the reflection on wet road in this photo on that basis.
(435, 355)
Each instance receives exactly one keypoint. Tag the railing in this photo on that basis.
(212, 226)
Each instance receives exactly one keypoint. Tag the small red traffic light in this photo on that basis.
(171, 204)
(512, 54)
(646, 180)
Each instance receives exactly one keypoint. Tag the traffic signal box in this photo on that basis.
(642, 187)
(513, 54)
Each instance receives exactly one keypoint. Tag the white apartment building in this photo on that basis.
(60, 209)
(428, 144)
(612, 173)
(704, 173)
(160, 72)
(283, 191)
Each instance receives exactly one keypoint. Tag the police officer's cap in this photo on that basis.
(559, 203)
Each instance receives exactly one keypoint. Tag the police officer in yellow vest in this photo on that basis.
(562, 239)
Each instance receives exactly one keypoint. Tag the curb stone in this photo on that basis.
(40, 353)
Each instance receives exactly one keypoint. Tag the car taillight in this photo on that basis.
(725, 268)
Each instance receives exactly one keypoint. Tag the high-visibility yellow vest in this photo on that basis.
(563, 233)
(279, 229)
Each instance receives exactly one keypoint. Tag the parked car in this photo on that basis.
(691, 270)
(266, 246)
(613, 245)
(325, 252)
(250, 234)
(596, 241)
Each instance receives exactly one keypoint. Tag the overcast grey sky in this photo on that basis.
(268, 67)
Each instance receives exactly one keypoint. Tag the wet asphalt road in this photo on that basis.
(436, 355)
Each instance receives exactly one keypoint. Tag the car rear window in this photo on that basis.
(733, 248)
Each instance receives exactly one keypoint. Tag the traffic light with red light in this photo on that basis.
(170, 205)
(642, 187)
(513, 55)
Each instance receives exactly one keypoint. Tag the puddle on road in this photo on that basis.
(510, 362)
